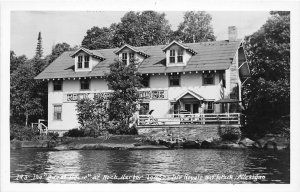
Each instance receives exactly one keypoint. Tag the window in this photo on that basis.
(131, 57)
(145, 81)
(176, 108)
(84, 84)
(79, 66)
(174, 80)
(86, 61)
(208, 78)
(180, 56)
(172, 56)
(144, 108)
(57, 85)
(124, 58)
(209, 107)
(57, 112)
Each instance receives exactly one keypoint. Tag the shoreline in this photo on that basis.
(137, 142)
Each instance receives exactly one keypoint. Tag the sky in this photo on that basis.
(71, 26)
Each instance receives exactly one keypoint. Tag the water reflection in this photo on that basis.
(153, 166)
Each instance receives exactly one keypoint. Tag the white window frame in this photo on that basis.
(56, 112)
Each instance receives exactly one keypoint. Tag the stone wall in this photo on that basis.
(190, 132)
(201, 132)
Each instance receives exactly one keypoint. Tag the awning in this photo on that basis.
(228, 101)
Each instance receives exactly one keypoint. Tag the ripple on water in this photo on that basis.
(166, 163)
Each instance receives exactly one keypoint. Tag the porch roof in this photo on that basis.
(197, 96)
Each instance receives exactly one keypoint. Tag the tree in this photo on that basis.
(16, 61)
(142, 29)
(98, 38)
(24, 102)
(196, 27)
(267, 92)
(58, 49)
(39, 48)
(124, 81)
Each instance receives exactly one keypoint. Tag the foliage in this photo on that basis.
(16, 61)
(58, 49)
(267, 92)
(74, 133)
(229, 133)
(124, 81)
(141, 29)
(92, 115)
(196, 27)
(23, 133)
(136, 28)
(98, 38)
(24, 99)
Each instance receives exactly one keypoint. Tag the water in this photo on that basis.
(150, 166)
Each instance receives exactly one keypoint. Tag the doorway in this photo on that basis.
(192, 107)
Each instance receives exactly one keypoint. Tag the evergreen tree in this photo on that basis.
(39, 48)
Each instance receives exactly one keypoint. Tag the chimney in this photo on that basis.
(232, 33)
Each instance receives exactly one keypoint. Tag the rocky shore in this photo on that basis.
(136, 142)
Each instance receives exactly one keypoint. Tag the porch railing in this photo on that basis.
(201, 118)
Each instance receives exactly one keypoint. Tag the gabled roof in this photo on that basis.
(141, 52)
(215, 55)
(87, 51)
(181, 45)
(197, 96)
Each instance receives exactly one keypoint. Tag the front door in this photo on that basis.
(192, 107)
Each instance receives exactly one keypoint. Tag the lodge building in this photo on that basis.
(178, 78)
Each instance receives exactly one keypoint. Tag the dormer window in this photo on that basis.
(124, 58)
(86, 61)
(180, 56)
(172, 56)
(79, 66)
(131, 57)
(177, 54)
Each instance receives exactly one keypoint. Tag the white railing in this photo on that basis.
(200, 118)
(41, 126)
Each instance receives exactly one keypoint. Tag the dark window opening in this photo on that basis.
(57, 112)
(79, 66)
(208, 78)
(209, 107)
(86, 61)
(172, 56)
(57, 85)
(180, 56)
(174, 80)
(131, 57)
(144, 108)
(145, 81)
(124, 58)
(84, 84)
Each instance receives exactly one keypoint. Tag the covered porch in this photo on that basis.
(192, 108)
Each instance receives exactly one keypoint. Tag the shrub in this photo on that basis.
(74, 133)
(230, 133)
(53, 136)
(23, 133)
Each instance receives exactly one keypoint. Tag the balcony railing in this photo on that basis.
(201, 118)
